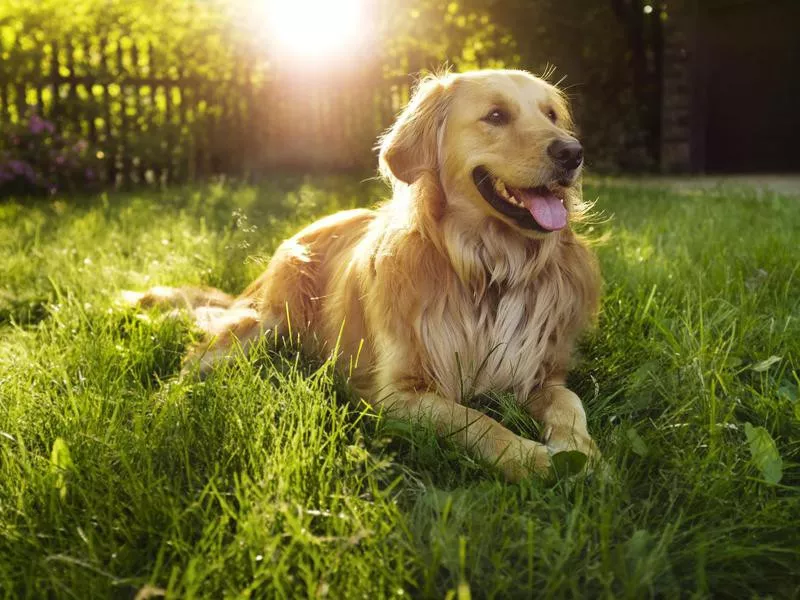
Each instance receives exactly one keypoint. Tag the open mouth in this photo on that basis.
(538, 208)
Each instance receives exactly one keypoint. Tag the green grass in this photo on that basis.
(264, 481)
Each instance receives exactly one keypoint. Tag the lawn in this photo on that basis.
(117, 478)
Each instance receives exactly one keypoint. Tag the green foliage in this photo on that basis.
(765, 453)
(638, 445)
(264, 480)
(428, 34)
(61, 463)
(192, 36)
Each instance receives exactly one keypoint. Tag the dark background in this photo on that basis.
(749, 64)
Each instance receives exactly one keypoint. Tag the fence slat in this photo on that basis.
(92, 108)
(110, 137)
(123, 154)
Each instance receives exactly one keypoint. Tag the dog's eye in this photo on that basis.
(496, 116)
(551, 114)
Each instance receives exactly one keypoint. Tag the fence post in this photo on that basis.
(4, 118)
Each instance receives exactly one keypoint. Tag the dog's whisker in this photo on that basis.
(484, 178)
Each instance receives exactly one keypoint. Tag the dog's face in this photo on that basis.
(500, 142)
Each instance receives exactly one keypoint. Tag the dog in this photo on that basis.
(469, 277)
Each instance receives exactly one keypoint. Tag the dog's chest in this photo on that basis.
(498, 343)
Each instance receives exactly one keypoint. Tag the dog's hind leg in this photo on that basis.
(180, 298)
(280, 303)
(223, 320)
(225, 328)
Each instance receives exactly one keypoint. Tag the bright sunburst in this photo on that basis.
(313, 29)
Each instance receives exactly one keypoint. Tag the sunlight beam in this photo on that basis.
(313, 29)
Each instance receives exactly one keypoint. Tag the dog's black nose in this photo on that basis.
(567, 154)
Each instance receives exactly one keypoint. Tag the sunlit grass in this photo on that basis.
(265, 480)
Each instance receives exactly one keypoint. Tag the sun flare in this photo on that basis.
(314, 29)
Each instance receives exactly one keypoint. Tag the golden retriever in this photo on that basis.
(469, 278)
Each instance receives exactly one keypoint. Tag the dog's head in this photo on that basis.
(499, 143)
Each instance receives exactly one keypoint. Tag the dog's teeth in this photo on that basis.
(498, 186)
(504, 193)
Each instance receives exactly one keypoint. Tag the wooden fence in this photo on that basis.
(150, 120)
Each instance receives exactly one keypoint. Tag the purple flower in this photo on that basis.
(17, 166)
(89, 174)
(38, 125)
(60, 160)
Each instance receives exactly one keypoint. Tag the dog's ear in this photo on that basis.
(410, 147)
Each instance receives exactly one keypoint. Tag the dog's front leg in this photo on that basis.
(561, 414)
(516, 456)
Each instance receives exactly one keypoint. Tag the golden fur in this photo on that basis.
(436, 292)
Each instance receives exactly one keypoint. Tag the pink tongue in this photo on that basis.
(545, 208)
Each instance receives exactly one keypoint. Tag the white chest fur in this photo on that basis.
(499, 342)
(506, 315)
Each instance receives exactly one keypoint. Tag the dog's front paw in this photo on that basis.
(568, 444)
(523, 459)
